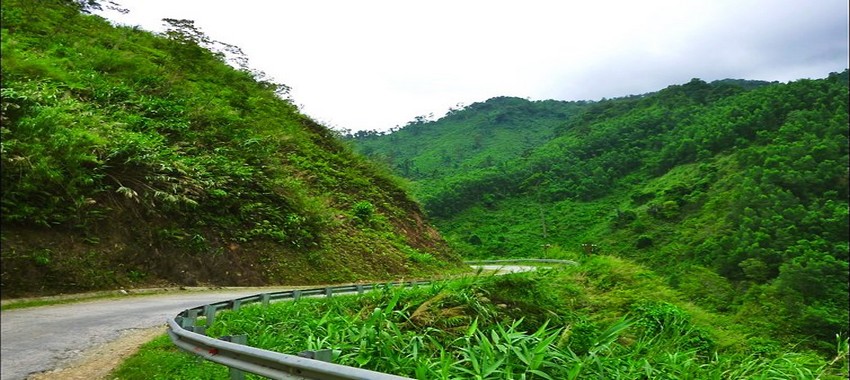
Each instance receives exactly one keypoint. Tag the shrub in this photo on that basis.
(364, 211)
(644, 241)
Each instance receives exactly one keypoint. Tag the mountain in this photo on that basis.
(481, 136)
(132, 159)
(735, 191)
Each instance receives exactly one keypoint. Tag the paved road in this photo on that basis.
(45, 338)
(505, 269)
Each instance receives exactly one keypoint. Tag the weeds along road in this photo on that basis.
(46, 338)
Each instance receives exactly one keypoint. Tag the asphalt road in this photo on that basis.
(38, 339)
(44, 338)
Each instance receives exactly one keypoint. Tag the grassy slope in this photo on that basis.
(131, 159)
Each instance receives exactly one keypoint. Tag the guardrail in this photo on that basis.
(231, 351)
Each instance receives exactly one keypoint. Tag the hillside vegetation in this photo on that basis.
(735, 191)
(132, 159)
(482, 135)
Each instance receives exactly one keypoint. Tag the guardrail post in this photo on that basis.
(236, 304)
(236, 374)
(265, 297)
(296, 294)
(188, 322)
(209, 312)
(359, 289)
(329, 292)
(325, 355)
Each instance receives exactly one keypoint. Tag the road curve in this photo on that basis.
(39, 339)
(45, 338)
(505, 269)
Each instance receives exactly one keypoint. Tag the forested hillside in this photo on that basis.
(736, 191)
(480, 136)
(133, 159)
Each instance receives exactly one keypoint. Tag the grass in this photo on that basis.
(606, 319)
(24, 303)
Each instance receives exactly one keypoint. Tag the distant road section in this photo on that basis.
(505, 269)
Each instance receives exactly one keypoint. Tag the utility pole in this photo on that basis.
(542, 219)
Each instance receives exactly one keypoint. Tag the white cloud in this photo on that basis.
(377, 64)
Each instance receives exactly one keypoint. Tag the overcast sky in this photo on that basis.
(377, 64)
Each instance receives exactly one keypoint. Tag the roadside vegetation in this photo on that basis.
(22, 303)
(606, 318)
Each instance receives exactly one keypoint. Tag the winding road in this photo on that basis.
(46, 338)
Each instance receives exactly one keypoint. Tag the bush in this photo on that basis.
(364, 211)
(644, 241)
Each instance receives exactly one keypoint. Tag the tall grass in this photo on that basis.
(461, 330)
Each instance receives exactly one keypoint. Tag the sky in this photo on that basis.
(375, 65)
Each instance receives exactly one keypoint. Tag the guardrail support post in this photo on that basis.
(265, 297)
(236, 305)
(236, 374)
(359, 289)
(209, 312)
(296, 294)
(188, 322)
(325, 355)
(329, 292)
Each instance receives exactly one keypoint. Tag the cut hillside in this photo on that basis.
(132, 159)
(736, 191)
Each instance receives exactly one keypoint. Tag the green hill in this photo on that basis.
(484, 135)
(736, 191)
(132, 159)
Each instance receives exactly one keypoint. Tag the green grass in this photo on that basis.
(24, 303)
(606, 319)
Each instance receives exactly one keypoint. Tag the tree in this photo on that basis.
(192, 43)
(87, 6)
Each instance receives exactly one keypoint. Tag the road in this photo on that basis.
(39, 339)
(44, 338)
(505, 269)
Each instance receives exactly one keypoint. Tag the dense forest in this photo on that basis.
(482, 135)
(134, 159)
(735, 191)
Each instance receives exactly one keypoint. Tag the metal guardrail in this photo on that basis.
(232, 351)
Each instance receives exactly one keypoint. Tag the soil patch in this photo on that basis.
(97, 363)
